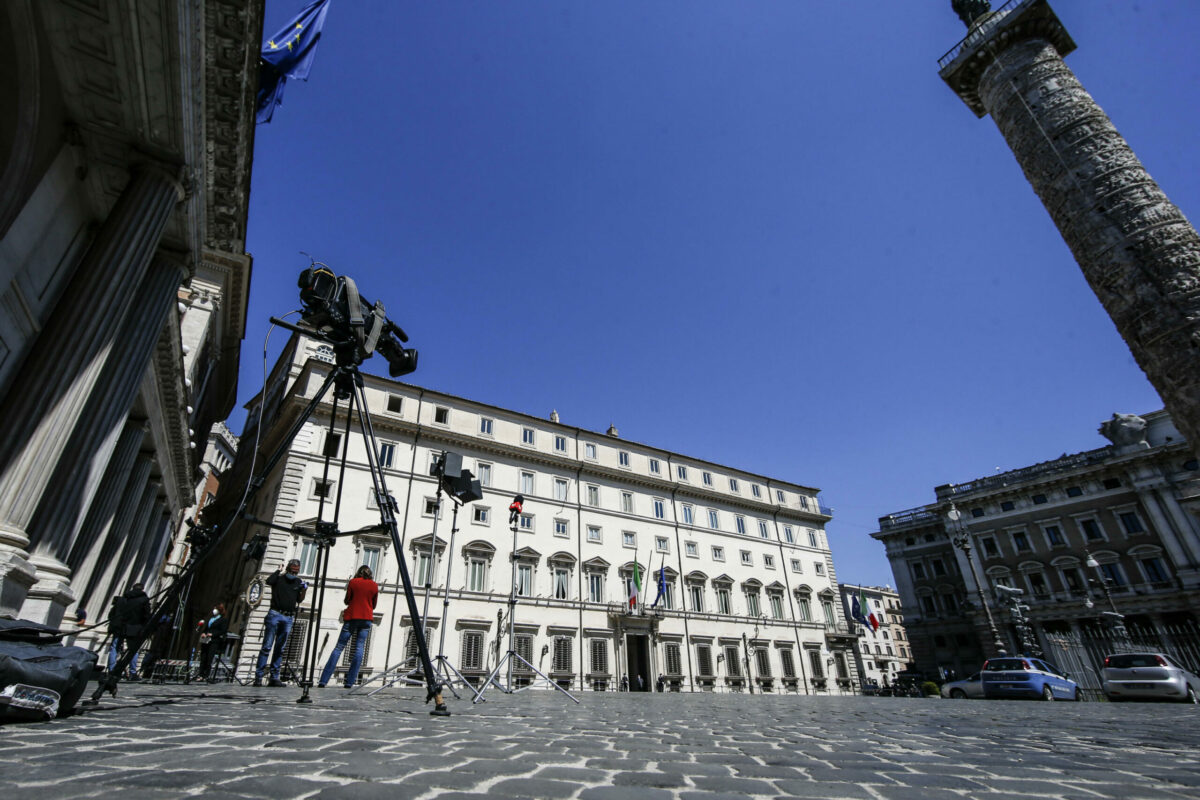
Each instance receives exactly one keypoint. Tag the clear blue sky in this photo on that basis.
(760, 232)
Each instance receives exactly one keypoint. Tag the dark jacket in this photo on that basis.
(130, 613)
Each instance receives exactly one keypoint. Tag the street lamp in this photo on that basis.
(1116, 618)
(962, 540)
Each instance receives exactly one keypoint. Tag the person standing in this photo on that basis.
(287, 593)
(130, 613)
(212, 639)
(362, 593)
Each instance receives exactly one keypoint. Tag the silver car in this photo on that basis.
(970, 687)
(1147, 676)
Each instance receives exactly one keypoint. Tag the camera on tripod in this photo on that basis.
(457, 482)
(332, 305)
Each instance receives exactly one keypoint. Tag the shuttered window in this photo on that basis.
(674, 664)
(472, 650)
(704, 663)
(525, 651)
(733, 665)
(562, 654)
(763, 657)
(789, 663)
(600, 656)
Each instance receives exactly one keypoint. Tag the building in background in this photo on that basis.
(1091, 540)
(740, 592)
(882, 650)
(126, 137)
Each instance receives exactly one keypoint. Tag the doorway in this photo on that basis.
(637, 651)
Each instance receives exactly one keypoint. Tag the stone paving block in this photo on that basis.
(532, 788)
(651, 778)
(730, 785)
(936, 781)
(270, 786)
(367, 791)
(822, 789)
(694, 768)
(625, 793)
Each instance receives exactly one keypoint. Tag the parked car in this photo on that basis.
(970, 687)
(1147, 676)
(1027, 677)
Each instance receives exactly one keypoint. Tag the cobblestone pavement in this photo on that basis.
(225, 742)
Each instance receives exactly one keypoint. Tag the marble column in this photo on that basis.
(85, 549)
(135, 539)
(60, 374)
(94, 596)
(62, 511)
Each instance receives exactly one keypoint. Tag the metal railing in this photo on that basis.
(1018, 476)
(913, 516)
(978, 34)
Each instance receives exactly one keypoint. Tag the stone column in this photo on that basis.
(61, 513)
(94, 596)
(1138, 252)
(135, 539)
(62, 370)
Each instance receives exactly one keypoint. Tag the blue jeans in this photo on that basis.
(279, 627)
(351, 626)
(114, 652)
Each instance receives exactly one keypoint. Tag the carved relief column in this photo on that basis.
(64, 368)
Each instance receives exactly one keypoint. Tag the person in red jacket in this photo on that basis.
(361, 595)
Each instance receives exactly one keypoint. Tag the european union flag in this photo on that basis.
(288, 54)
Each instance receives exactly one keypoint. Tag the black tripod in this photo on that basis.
(348, 381)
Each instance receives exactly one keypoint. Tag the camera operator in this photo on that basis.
(129, 613)
(287, 593)
(362, 593)
(212, 639)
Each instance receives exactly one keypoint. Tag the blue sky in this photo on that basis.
(762, 233)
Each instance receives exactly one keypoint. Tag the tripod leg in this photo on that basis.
(545, 677)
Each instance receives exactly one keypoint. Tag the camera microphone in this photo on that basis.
(514, 510)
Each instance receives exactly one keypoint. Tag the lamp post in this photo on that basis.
(1116, 618)
(962, 540)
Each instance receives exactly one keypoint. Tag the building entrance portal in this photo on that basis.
(637, 650)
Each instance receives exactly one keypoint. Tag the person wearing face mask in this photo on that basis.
(287, 593)
(212, 639)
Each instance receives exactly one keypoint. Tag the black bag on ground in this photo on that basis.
(31, 655)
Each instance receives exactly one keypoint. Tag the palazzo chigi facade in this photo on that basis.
(126, 135)
(750, 600)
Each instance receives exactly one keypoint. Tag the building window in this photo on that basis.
(818, 568)
(524, 580)
(765, 533)
(563, 648)
(747, 559)
(1112, 483)
(527, 483)
(1112, 574)
(805, 607)
(395, 404)
(796, 565)
(431, 507)
(687, 515)
(593, 534)
(1154, 570)
(485, 473)
(1091, 530)
(674, 665)
(733, 485)
(1039, 499)
(1074, 491)
(308, 556)
(707, 477)
(527, 522)
(476, 574)
(421, 578)
(918, 571)
(662, 544)
(1007, 505)
(527, 436)
(599, 656)
(788, 662)
(928, 605)
(560, 444)
(659, 508)
(482, 515)
(723, 606)
(562, 528)
(739, 524)
(628, 539)
(596, 587)
(733, 664)
(939, 569)
(681, 471)
(704, 661)
(779, 496)
(654, 468)
(593, 496)
(714, 521)
(1131, 523)
(562, 582)
(485, 426)
(322, 489)
(1037, 582)
(696, 596)
(589, 451)
(827, 609)
(627, 502)
(776, 601)
(976, 512)
(754, 490)
(768, 561)
(718, 553)
(691, 550)
(333, 445)
(762, 657)
(441, 415)
(1054, 536)
(370, 558)
(812, 538)
(1020, 541)
(560, 489)
(387, 451)
(989, 547)
(623, 459)
(472, 650)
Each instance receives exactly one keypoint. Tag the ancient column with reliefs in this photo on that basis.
(1138, 252)
(62, 371)
(59, 517)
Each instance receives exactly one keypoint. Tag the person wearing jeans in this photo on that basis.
(362, 593)
(287, 593)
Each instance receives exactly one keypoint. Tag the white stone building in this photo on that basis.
(750, 600)
(881, 653)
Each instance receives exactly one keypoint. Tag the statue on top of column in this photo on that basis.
(970, 10)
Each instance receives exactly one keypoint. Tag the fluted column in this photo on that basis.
(113, 537)
(135, 539)
(62, 511)
(85, 549)
(60, 375)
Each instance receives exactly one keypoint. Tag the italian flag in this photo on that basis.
(867, 612)
(635, 586)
